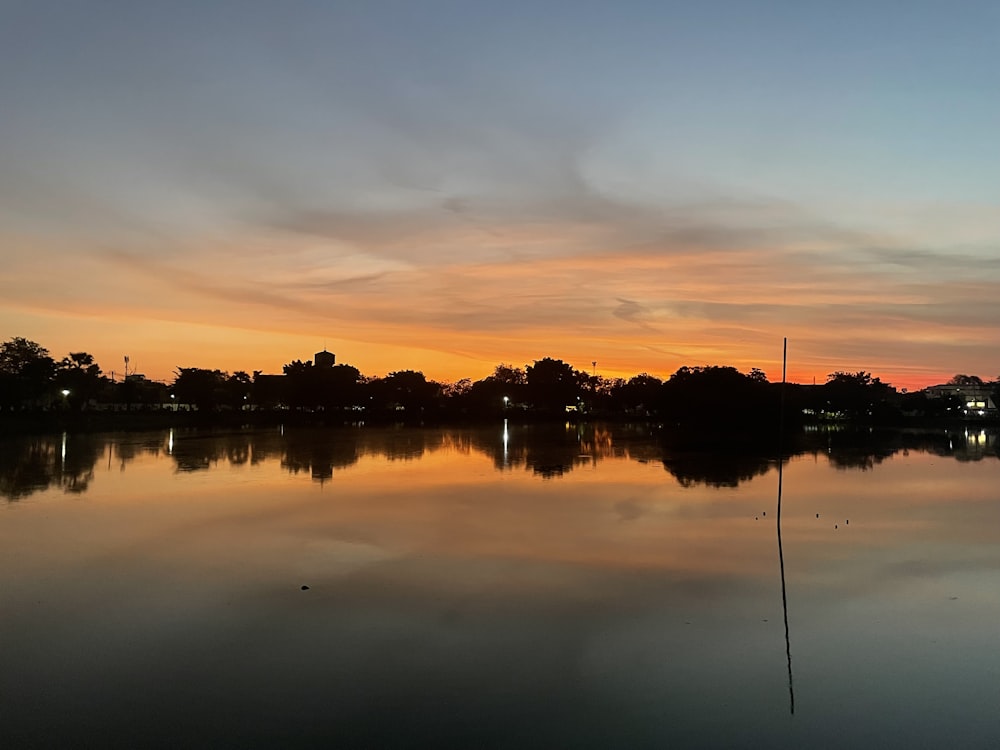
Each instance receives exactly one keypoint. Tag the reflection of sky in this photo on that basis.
(471, 602)
(447, 185)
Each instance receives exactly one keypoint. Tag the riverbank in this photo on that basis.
(47, 422)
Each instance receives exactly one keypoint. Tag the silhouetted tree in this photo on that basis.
(301, 385)
(408, 389)
(966, 380)
(79, 374)
(640, 393)
(340, 386)
(308, 386)
(508, 375)
(553, 384)
(26, 374)
(857, 395)
(206, 389)
(455, 392)
(495, 393)
(238, 389)
(713, 395)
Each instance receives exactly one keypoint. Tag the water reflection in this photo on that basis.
(549, 451)
(542, 587)
(35, 464)
(724, 469)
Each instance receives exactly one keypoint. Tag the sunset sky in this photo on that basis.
(443, 186)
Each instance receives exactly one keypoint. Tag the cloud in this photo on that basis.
(632, 312)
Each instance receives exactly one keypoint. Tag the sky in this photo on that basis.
(445, 186)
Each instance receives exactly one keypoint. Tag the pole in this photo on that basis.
(781, 554)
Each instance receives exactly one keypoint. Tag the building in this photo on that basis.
(977, 400)
(324, 359)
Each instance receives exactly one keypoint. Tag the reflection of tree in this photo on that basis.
(267, 446)
(128, 449)
(397, 444)
(238, 452)
(550, 450)
(30, 466)
(200, 452)
(196, 454)
(720, 469)
(319, 452)
(860, 457)
(553, 454)
(726, 463)
(973, 444)
(863, 449)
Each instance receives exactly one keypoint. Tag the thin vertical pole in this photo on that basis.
(781, 555)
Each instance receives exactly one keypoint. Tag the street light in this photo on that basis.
(65, 392)
(506, 401)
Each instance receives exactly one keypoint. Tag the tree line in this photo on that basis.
(31, 379)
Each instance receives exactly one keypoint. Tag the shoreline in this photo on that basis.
(47, 422)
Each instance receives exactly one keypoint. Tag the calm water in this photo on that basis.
(512, 588)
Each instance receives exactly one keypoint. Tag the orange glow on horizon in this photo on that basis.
(642, 309)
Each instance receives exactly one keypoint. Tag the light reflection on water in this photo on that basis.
(507, 587)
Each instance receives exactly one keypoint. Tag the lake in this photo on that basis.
(510, 587)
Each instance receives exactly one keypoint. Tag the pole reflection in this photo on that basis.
(781, 551)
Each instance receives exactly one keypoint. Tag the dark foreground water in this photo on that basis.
(508, 588)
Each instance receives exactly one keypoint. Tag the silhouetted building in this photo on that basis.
(325, 359)
(976, 399)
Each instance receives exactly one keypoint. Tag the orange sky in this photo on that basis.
(572, 292)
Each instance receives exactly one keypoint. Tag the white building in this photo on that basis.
(977, 400)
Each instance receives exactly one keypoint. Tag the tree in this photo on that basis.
(310, 387)
(860, 379)
(238, 388)
(703, 396)
(508, 375)
(79, 374)
(458, 390)
(206, 389)
(26, 373)
(856, 394)
(495, 393)
(640, 392)
(553, 384)
(269, 391)
(339, 386)
(966, 380)
(410, 389)
(301, 385)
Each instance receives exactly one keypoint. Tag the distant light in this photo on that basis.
(64, 392)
